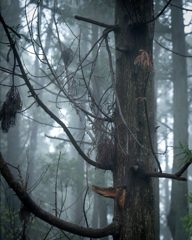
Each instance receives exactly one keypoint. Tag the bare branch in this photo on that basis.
(163, 175)
(161, 12)
(24, 197)
(176, 53)
(56, 182)
(114, 27)
(45, 108)
(182, 170)
(176, 176)
(149, 129)
(67, 140)
(84, 212)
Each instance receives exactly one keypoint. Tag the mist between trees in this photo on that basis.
(95, 119)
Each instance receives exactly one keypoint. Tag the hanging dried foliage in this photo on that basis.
(144, 61)
(9, 109)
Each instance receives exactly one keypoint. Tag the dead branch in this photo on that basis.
(84, 211)
(176, 176)
(56, 182)
(114, 27)
(163, 175)
(44, 107)
(106, 117)
(182, 170)
(67, 140)
(111, 192)
(27, 201)
(148, 126)
(176, 53)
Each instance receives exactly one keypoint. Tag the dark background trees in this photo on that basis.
(180, 115)
(88, 94)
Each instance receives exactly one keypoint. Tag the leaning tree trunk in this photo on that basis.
(133, 117)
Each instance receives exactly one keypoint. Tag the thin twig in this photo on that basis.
(117, 98)
(176, 53)
(84, 212)
(56, 177)
(28, 107)
(148, 126)
(67, 140)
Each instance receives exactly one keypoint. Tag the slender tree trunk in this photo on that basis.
(136, 100)
(180, 112)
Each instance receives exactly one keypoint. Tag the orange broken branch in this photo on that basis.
(111, 192)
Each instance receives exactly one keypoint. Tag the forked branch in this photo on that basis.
(176, 176)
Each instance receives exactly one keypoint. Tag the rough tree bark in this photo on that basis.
(136, 100)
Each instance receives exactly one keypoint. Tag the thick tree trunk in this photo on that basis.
(136, 100)
(180, 112)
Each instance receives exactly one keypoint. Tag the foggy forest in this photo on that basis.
(95, 119)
